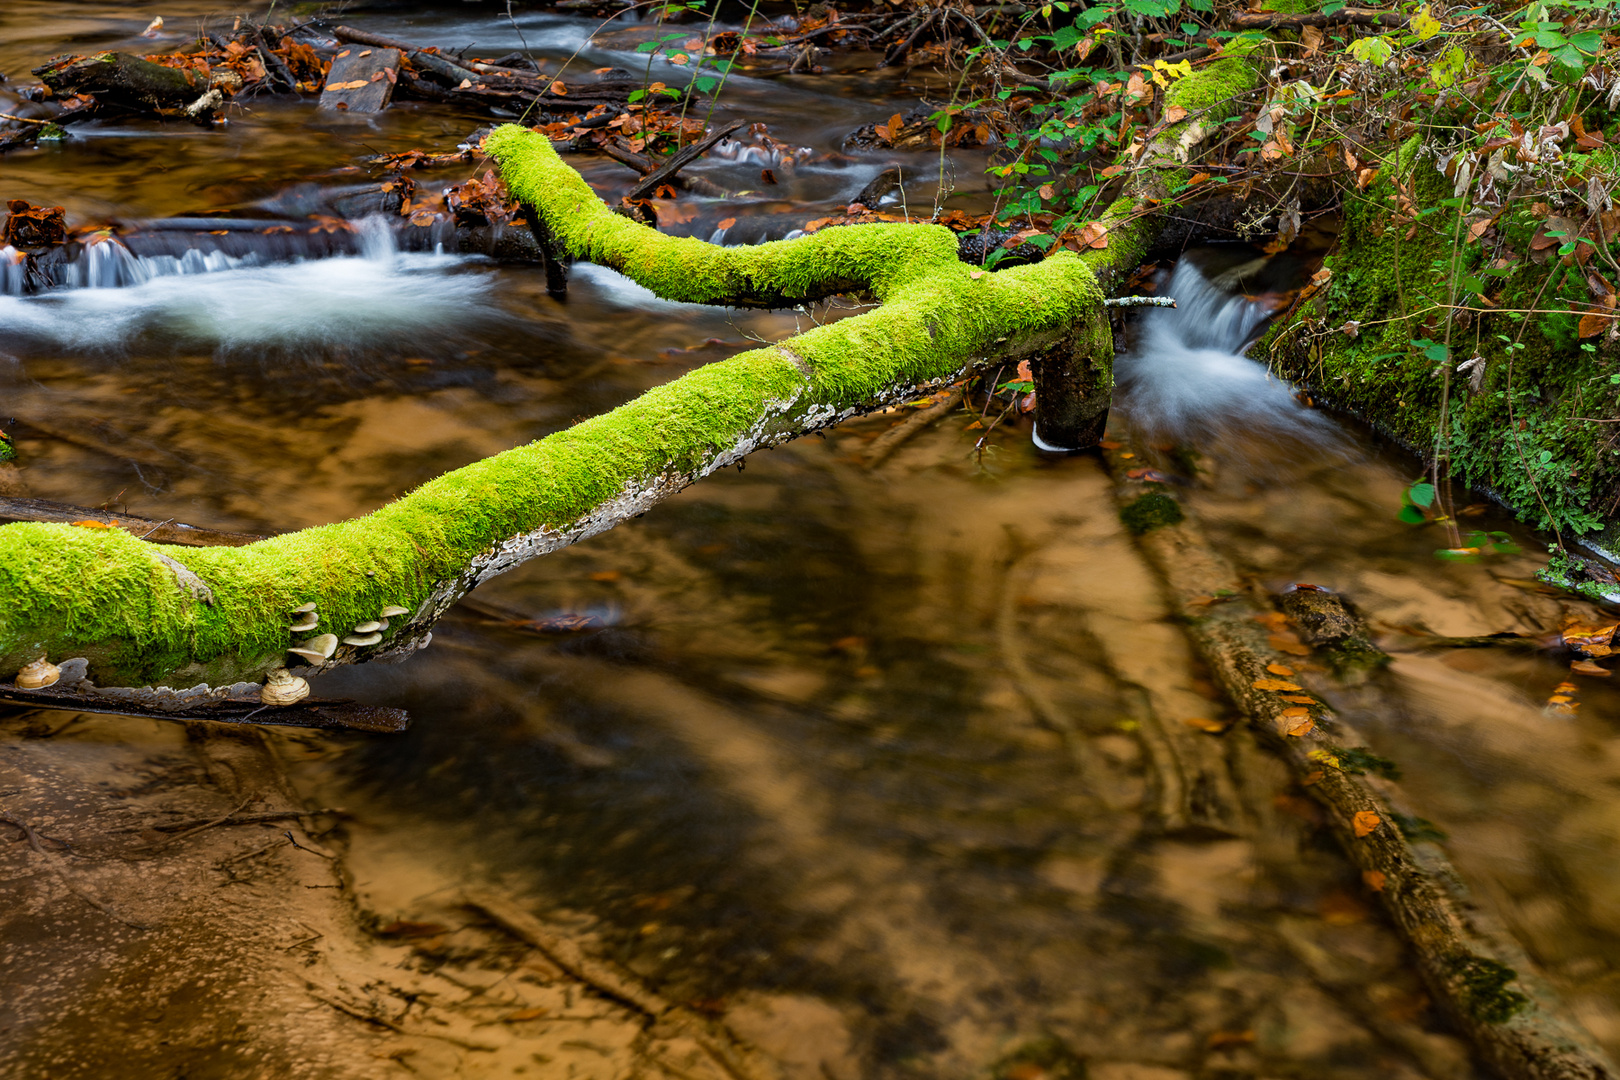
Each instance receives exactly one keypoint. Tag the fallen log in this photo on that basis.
(427, 61)
(1475, 970)
(144, 614)
(119, 78)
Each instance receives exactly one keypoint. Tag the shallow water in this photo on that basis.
(805, 770)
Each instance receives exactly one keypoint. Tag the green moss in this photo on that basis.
(1218, 83)
(1152, 511)
(1521, 437)
(1482, 988)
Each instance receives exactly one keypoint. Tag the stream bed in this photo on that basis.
(795, 773)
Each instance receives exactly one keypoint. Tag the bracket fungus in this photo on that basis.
(282, 687)
(38, 674)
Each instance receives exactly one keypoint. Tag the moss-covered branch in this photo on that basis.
(150, 614)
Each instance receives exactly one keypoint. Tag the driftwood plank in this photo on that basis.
(361, 80)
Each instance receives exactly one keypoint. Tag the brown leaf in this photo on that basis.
(891, 130)
(1048, 192)
(1311, 38)
(1214, 727)
(1275, 684)
(559, 88)
(1300, 728)
(1174, 113)
(1365, 822)
(1593, 324)
(1279, 669)
(1374, 879)
(1587, 667)
(1288, 643)
(1299, 699)
(1197, 178)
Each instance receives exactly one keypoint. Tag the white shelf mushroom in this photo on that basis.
(371, 626)
(394, 609)
(282, 687)
(38, 674)
(362, 639)
(317, 649)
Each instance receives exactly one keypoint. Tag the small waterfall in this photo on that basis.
(1185, 378)
(109, 295)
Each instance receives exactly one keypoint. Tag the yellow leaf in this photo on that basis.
(1424, 25)
(1365, 822)
(1275, 684)
(1279, 669)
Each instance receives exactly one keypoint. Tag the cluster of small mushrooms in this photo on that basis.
(282, 687)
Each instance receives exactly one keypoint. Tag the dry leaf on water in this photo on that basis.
(1365, 822)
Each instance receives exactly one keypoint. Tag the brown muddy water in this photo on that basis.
(801, 775)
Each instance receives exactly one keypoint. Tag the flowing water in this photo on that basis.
(803, 769)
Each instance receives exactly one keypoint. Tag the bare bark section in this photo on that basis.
(1485, 981)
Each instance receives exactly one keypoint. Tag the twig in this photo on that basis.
(1140, 301)
(193, 831)
(61, 875)
(678, 161)
(891, 440)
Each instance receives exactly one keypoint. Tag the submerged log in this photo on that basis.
(1475, 970)
(119, 78)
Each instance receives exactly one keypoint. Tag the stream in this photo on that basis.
(796, 769)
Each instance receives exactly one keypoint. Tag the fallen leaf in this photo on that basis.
(356, 84)
(94, 524)
(1579, 635)
(1197, 178)
(1298, 699)
(1174, 113)
(559, 88)
(1311, 38)
(1593, 324)
(1374, 879)
(1312, 777)
(1587, 667)
(1288, 643)
(1279, 669)
(1275, 684)
(1048, 192)
(528, 1014)
(975, 274)
(1214, 727)
(1365, 822)
(727, 223)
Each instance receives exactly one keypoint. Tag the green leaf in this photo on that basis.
(1372, 50)
(1421, 494)
(1411, 515)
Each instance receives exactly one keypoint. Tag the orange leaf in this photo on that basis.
(94, 524)
(1374, 879)
(892, 129)
(1365, 822)
(1288, 643)
(1298, 700)
(727, 223)
(1275, 684)
(1300, 729)
(529, 1014)
(1174, 113)
(558, 88)
(1312, 777)
(1587, 667)
(1197, 178)
(1279, 669)
(1214, 727)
